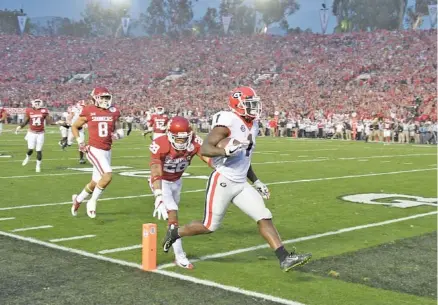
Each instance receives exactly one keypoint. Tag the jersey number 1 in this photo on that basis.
(102, 129)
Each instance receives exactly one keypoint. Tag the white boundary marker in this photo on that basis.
(203, 190)
(295, 240)
(7, 218)
(32, 228)
(56, 240)
(162, 272)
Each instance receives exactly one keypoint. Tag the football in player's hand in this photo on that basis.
(224, 142)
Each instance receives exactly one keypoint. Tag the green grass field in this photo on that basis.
(307, 179)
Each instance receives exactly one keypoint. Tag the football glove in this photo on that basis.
(17, 129)
(160, 210)
(262, 189)
(82, 146)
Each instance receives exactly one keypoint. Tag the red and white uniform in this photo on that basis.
(101, 125)
(2, 113)
(158, 122)
(228, 183)
(35, 134)
(387, 129)
(174, 163)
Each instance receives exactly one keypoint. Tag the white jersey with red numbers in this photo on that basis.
(235, 168)
(159, 122)
(76, 111)
(174, 162)
(37, 119)
(101, 124)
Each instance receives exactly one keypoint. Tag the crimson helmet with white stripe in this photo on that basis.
(159, 109)
(37, 103)
(179, 133)
(102, 98)
(245, 102)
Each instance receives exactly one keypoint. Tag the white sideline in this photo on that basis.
(202, 190)
(7, 218)
(295, 240)
(120, 249)
(261, 152)
(162, 272)
(32, 228)
(56, 240)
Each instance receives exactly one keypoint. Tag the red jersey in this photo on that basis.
(37, 118)
(2, 113)
(174, 162)
(101, 124)
(159, 122)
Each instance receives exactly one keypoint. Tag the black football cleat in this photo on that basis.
(294, 260)
(170, 238)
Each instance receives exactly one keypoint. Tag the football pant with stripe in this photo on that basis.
(221, 192)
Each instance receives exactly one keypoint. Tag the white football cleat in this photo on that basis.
(91, 208)
(25, 161)
(38, 169)
(75, 206)
(182, 261)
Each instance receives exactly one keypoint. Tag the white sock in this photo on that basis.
(177, 247)
(96, 193)
(83, 195)
(27, 157)
(38, 163)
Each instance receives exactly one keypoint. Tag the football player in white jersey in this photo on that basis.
(63, 128)
(228, 183)
(73, 117)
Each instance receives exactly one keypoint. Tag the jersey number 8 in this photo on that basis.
(175, 168)
(102, 129)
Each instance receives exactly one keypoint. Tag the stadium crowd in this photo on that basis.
(312, 76)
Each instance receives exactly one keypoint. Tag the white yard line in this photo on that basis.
(202, 190)
(43, 175)
(56, 240)
(295, 240)
(7, 218)
(32, 228)
(120, 249)
(162, 272)
(350, 176)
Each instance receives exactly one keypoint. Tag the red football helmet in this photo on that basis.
(245, 102)
(179, 133)
(37, 103)
(159, 109)
(102, 98)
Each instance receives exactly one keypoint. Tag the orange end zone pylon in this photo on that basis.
(149, 249)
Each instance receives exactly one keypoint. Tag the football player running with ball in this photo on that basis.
(170, 157)
(230, 144)
(104, 126)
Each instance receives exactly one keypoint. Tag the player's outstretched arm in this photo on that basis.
(251, 175)
(26, 120)
(81, 121)
(260, 186)
(208, 148)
